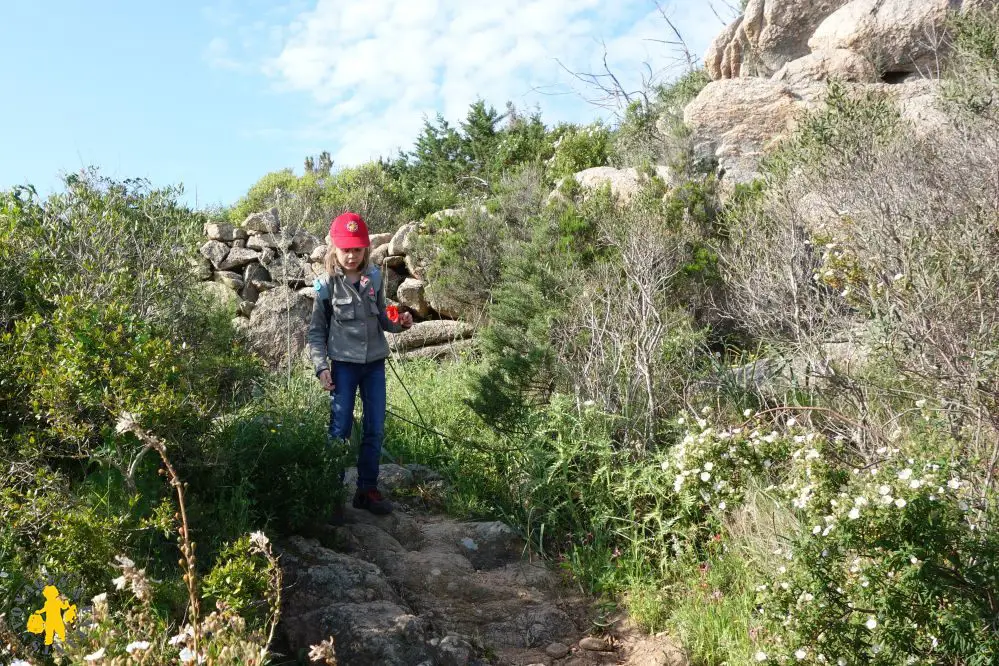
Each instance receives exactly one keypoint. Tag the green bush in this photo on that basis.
(579, 148)
(894, 564)
(270, 463)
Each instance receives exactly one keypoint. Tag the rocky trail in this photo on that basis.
(417, 588)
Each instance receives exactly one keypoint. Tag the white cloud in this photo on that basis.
(375, 69)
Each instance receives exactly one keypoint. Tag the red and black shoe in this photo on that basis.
(371, 500)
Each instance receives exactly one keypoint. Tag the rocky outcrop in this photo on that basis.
(769, 34)
(278, 323)
(735, 120)
(894, 36)
(775, 60)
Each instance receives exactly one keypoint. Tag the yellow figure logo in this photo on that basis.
(50, 618)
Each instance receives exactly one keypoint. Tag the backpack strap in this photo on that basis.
(323, 293)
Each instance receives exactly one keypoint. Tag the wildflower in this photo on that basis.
(954, 484)
(392, 312)
(905, 474)
(900, 503)
(921, 403)
(860, 500)
(871, 623)
(800, 654)
(100, 598)
(94, 656)
(854, 513)
(259, 539)
(747, 413)
(722, 506)
(187, 656)
(884, 490)
(705, 476)
(791, 422)
(20, 662)
(760, 656)
(915, 484)
(709, 466)
(119, 583)
(816, 529)
(136, 645)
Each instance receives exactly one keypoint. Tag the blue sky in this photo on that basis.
(216, 93)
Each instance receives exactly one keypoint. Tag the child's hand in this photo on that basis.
(326, 380)
(406, 319)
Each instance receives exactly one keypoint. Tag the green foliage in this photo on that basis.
(897, 568)
(848, 125)
(972, 81)
(578, 148)
(240, 580)
(270, 463)
(655, 133)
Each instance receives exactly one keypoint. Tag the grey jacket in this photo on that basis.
(352, 331)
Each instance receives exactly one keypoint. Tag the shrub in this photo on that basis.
(271, 462)
(578, 148)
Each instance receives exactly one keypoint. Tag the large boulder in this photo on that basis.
(262, 241)
(839, 64)
(411, 293)
(224, 232)
(426, 333)
(291, 270)
(734, 120)
(214, 251)
(401, 243)
(768, 35)
(238, 257)
(305, 243)
(279, 324)
(897, 35)
(265, 222)
(377, 240)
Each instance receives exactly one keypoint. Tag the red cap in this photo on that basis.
(349, 231)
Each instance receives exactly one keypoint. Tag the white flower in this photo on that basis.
(705, 476)
(20, 662)
(119, 583)
(954, 484)
(854, 513)
(747, 413)
(900, 503)
(905, 474)
(4, 574)
(921, 403)
(914, 560)
(841, 662)
(702, 424)
(100, 598)
(760, 656)
(816, 529)
(705, 410)
(808, 596)
(588, 403)
(884, 490)
(136, 645)
(681, 421)
(860, 501)
(94, 656)
(915, 484)
(722, 506)
(871, 622)
(709, 466)
(187, 656)
(800, 654)
(259, 539)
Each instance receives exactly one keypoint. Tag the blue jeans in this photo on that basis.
(370, 379)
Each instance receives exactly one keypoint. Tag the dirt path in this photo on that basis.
(420, 589)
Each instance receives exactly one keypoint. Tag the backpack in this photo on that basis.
(322, 287)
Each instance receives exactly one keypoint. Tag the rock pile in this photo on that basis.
(774, 61)
(265, 272)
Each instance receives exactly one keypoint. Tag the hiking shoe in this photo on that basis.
(372, 500)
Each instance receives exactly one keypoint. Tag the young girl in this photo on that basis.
(347, 346)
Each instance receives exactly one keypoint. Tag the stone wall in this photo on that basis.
(266, 272)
